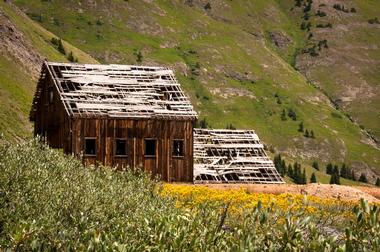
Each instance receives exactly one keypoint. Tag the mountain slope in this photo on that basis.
(349, 69)
(234, 58)
(23, 46)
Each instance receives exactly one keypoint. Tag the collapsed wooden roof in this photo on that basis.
(231, 156)
(118, 91)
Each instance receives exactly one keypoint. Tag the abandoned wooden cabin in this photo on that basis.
(232, 156)
(117, 115)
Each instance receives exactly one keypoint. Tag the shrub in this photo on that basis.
(292, 114)
(207, 7)
(50, 202)
(139, 56)
(320, 13)
(373, 21)
(54, 41)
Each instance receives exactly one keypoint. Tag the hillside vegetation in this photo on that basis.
(249, 64)
(50, 202)
(23, 46)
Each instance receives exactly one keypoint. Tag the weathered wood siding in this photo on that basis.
(106, 131)
(51, 121)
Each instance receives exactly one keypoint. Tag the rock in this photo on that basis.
(279, 39)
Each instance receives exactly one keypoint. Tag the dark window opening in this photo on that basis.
(90, 146)
(150, 147)
(121, 147)
(178, 148)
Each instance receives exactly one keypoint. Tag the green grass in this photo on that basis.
(16, 90)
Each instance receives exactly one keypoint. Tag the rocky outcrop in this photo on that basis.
(13, 44)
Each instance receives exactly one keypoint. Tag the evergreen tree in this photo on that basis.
(363, 178)
(334, 179)
(290, 171)
(345, 172)
(60, 47)
(306, 133)
(378, 182)
(336, 170)
(303, 178)
(277, 163)
(315, 165)
(312, 134)
(283, 168)
(71, 57)
(300, 127)
(313, 178)
(329, 168)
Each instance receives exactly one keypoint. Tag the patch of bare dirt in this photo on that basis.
(339, 192)
(13, 43)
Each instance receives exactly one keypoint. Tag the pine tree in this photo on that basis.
(335, 179)
(377, 182)
(336, 170)
(315, 165)
(306, 134)
(303, 178)
(300, 127)
(283, 168)
(363, 178)
(60, 47)
(277, 163)
(71, 57)
(290, 171)
(313, 178)
(329, 168)
(343, 171)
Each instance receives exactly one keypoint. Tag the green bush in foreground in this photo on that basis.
(50, 202)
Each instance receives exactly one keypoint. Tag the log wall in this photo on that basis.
(135, 132)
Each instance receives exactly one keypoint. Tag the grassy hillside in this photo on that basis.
(24, 46)
(234, 58)
(348, 69)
